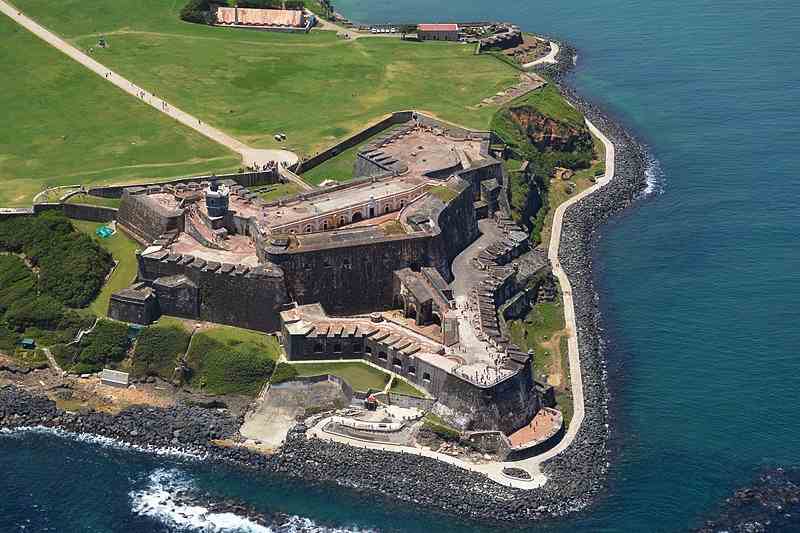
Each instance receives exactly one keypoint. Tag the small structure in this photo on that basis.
(28, 344)
(114, 378)
(217, 200)
(437, 32)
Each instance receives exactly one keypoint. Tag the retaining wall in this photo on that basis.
(245, 179)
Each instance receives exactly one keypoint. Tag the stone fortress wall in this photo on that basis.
(345, 271)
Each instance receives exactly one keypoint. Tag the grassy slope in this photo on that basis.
(65, 125)
(538, 326)
(315, 88)
(360, 376)
(123, 249)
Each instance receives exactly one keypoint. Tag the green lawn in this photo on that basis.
(316, 88)
(549, 101)
(339, 168)
(123, 249)
(66, 125)
(271, 193)
(230, 360)
(94, 200)
(537, 328)
(360, 376)
(401, 386)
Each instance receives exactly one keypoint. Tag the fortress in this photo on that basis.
(412, 265)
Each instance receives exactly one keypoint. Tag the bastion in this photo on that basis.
(324, 268)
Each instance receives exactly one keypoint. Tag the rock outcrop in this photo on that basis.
(549, 134)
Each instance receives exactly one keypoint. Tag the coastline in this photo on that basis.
(575, 476)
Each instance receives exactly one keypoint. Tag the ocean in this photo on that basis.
(698, 284)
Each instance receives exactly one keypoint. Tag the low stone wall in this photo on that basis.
(245, 179)
(399, 117)
(93, 213)
(403, 400)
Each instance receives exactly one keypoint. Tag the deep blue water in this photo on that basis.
(699, 283)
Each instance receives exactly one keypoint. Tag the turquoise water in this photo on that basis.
(699, 283)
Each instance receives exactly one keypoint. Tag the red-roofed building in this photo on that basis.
(437, 32)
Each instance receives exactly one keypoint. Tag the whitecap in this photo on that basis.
(100, 440)
(654, 177)
(157, 501)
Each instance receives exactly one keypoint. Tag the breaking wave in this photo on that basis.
(655, 179)
(161, 500)
(100, 440)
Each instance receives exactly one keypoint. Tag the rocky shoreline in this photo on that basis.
(576, 476)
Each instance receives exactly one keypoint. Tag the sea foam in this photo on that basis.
(158, 501)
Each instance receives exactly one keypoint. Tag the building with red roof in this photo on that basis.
(437, 32)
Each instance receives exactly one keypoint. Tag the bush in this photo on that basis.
(283, 372)
(196, 11)
(72, 267)
(158, 349)
(239, 370)
(43, 312)
(107, 343)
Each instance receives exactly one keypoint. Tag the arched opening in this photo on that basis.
(437, 319)
(412, 311)
(387, 208)
(402, 204)
(371, 212)
(325, 226)
(308, 228)
(426, 377)
(357, 217)
(412, 371)
(342, 221)
(368, 350)
(382, 356)
(397, 363)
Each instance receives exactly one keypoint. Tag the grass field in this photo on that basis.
(401, 386)
(230, 360)
(65, 125)
(536, 331)
(316, 88)
(123, 249)
(360, 376)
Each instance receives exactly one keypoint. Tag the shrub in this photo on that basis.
(239, 370)
(442, 430)
(283, 372)
(158, 349)
(196, 11)
(107, 343)
(43, 312)
(72, 267)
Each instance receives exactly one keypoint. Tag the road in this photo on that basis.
(549, 58)
(250, 156)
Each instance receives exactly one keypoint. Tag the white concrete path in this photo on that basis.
(549, 58)
(494, 470)
(249, 155)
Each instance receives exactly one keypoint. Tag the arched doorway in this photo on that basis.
(357, 217)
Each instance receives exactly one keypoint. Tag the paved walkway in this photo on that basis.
(249, 155)
(493, 470)
(549, 58)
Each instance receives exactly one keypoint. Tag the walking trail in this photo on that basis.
(250, 156)
(549, 58)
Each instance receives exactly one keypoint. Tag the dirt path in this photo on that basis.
(249, 155)
(556, 375)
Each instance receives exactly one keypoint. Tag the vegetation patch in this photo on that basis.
(443, 193)
(401, 386)
(543, 129)
(105, 346)
(228, 360)
(440, 428)
(71, 126)
(158, 349)
(361, 376)
(71, 266)
(123, 250)
(283, 372)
